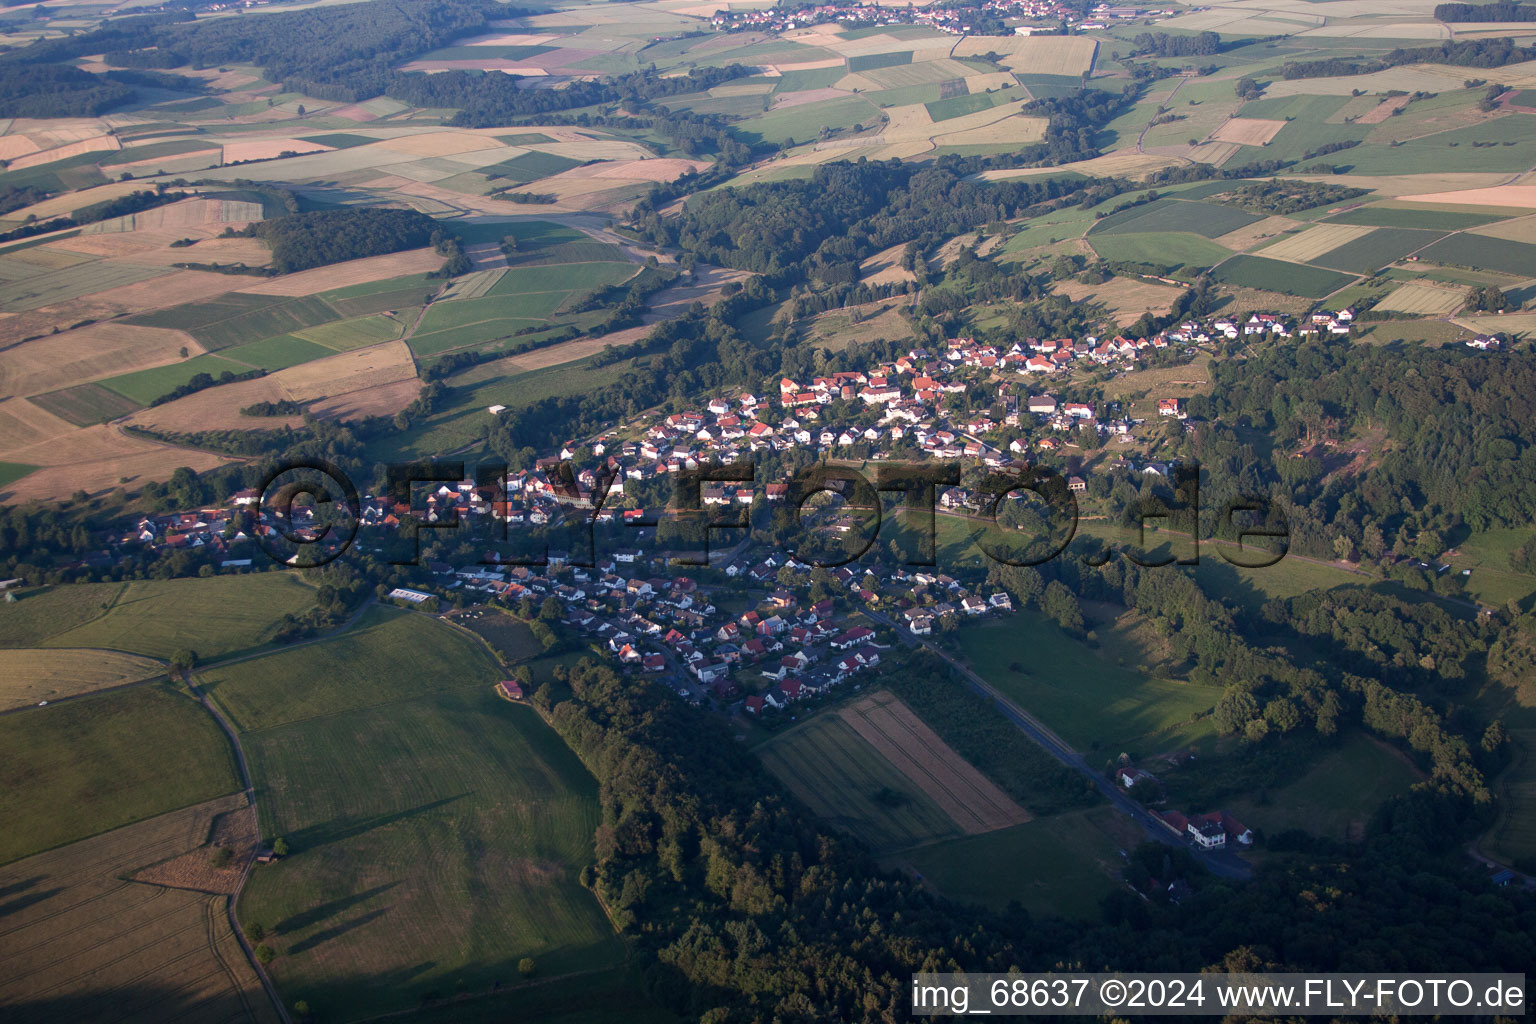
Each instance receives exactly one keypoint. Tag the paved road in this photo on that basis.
(1226, 865)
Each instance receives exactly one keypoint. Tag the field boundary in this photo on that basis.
(972, 801)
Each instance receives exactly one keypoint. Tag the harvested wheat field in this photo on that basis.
(28, 676)
(124, 950)
(269, 149)
(13, 146)
(1383, 110)
(885, 267)
(23, 425)
(173, 289)
(235, 830)
(344, 275)
(1126, 297)
(967, 796)
(1315, 241)
(200, 212)
(1123, 162)
(1245, 238)
(349, 371)
(1248, 131)
(659, 169)
(441, 143)
(1213, 153)
(99, 144)
(1034, 55)
(1010, 131)
(1424, 298)
(218, 408)
(89, 353)
(1521, 229)
(1523, 196)
(379, 400)
(94, 459)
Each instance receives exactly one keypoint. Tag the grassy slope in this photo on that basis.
(437, 830)
(85, 766)
(213, 616)
(1091, 701)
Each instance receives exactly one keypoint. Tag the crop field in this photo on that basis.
(1336, 795)
(98, 762)
(345, 335)
(849, 783)
(390, 655)
(42, 612)
(1313, 242)
(1093, 703)
(276, 353)
(1483, 253)
(1369, 253)
(120, 949)
(1424, 299)
(1034, 55)
(1518, 229)
(804, 123)
(144, 386)
(239, 317)
(1274, 275)
(1414, 217)
(1207, 219)
(508, 636)
(1248, 131)
(30, 675)
(436, 840)
(1162, 248)
(71, 283)
(1065, 864)
(974, 802)
(213, 616)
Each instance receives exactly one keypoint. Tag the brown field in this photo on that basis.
(81, 942)
(1036, 55)
(23, 425)
(1315, 241)
(1522, 229)
(441, 143)
(69, 202)
(344, 275)
(1127, 297)
(218, 408)
(379, 400)
(1245, 238)
(268, 149)
(173, 289)
(1213, 153)
(207, 157)
(885, 267)
(94, 459)
(1123, 162)
(87, 354)
(235, 829)
(387, 363)
(658, 169)
(1522, 196)
(1248, 131)
(1015, 130)
(99, 144)
(967, 796)
(28, 676)
(13, 146)
(1396, 186)
(1424, 298)
(1383, 110)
